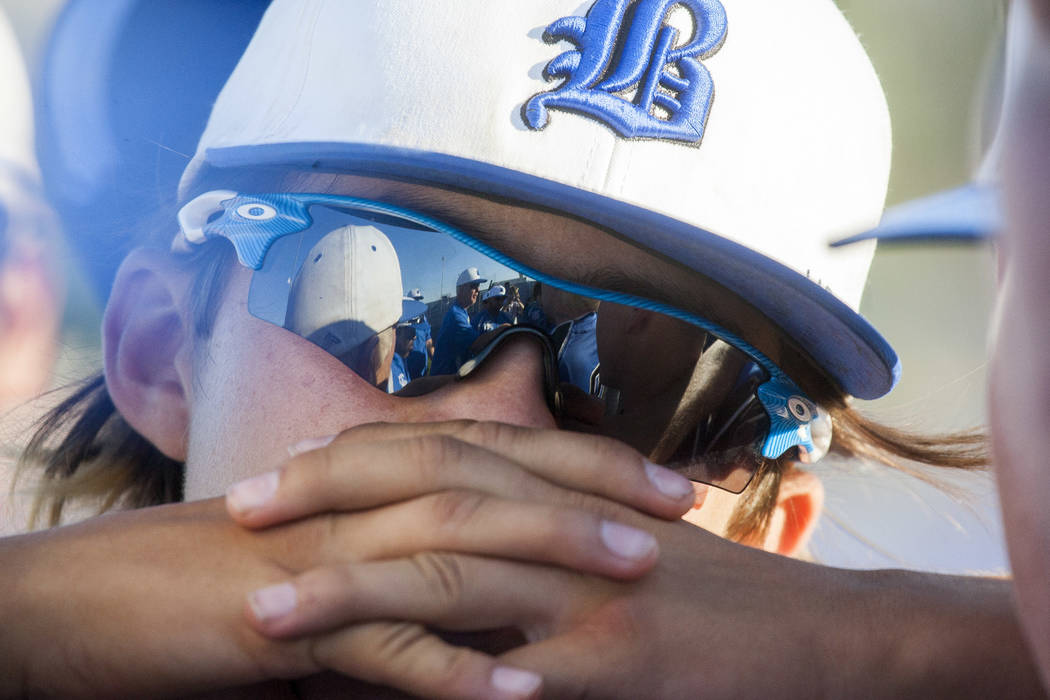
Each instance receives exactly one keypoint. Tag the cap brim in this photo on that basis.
(837, 338)
(967, 213)
(410, 309)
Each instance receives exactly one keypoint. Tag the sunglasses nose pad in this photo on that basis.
(487, 344)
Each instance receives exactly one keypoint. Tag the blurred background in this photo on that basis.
(932, 304)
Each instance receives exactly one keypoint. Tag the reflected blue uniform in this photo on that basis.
(483, 321)
(534, 316)
(578, 355)
(452, 347)
(398, 374)
(417, 357)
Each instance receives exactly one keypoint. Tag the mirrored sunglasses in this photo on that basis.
(334, 270)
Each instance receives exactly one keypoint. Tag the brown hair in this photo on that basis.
(853, 436)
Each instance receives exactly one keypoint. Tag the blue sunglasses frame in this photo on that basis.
(253, 222)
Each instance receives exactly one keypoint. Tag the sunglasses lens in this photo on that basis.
(621, 371)
(724, 448)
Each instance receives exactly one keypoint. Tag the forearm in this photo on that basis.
(908, 634)
(16, 639)
(131, 604)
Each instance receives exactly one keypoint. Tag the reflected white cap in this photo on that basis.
(470, 276)
(496, 290)
(347, 291)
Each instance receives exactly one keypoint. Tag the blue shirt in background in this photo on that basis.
(398, 374)
(578, 355)
(452, 347)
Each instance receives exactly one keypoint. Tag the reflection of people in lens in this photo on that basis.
(491, 316)
(422, 352)
(347, 296)
(513, 306)
(405, 336)
(457, 333)
(533, 313)
(573, 318)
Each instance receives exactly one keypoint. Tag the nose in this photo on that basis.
(508, 387)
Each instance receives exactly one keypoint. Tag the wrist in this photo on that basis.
(903, 634)
(20, 624)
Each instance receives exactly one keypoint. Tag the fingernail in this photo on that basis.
(252, 493)
(627, 542)
(273, 601)
(515, 682)
(309, 444)
(674, 486)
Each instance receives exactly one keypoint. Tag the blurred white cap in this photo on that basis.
(16, 106)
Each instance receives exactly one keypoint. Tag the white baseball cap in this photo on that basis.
(415, 293)
(496, 290)
(16, 115)
(739, 146)
(470, 276)
(348, 290)
(411, 310)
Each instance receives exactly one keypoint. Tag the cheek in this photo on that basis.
(715, 513)
(260, 389)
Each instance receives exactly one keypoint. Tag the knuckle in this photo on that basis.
(319, 586)
(459, 426)
(454, 667)
(443, 574)
(335, 537)
(456, 509)
(309, 470)
(435, 451)
(398, 642)
(596, 506)
(493, 435)
(610, 452)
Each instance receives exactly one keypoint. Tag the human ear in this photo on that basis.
(799, 503)
(146, 349)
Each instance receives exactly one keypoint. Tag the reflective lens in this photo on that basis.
(402, 300)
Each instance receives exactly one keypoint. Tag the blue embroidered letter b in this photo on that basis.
(627, 71)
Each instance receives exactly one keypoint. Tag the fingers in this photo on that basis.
(471, 522)
(407, 656)
(347, 476)
(584, 463)
(608, 674)
(454, 592)
(378, 464)
(450, 591)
